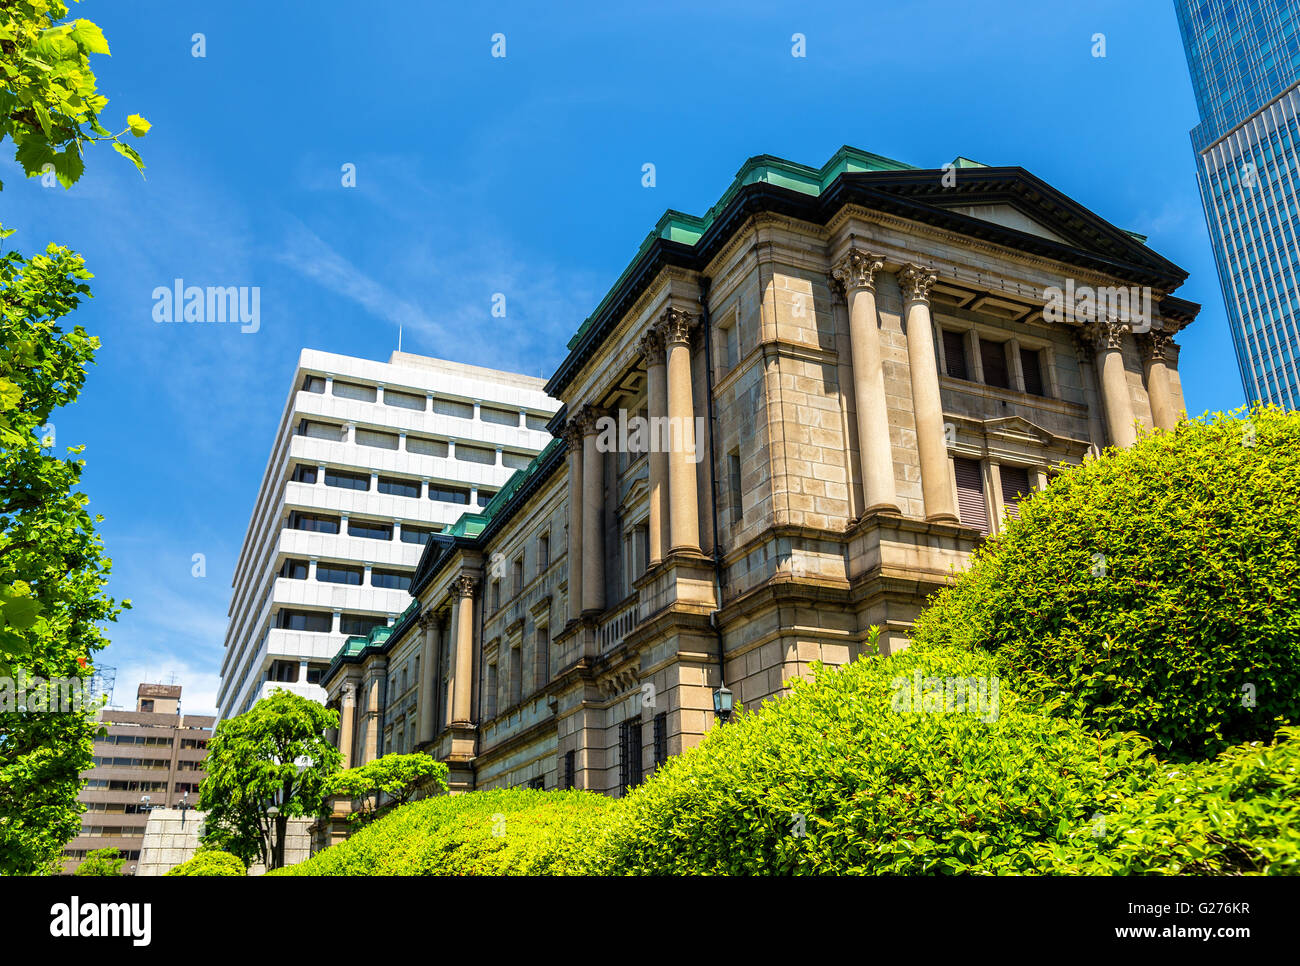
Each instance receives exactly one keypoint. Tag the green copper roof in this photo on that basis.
(357, 643)
(688, 229)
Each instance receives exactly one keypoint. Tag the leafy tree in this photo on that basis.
(210, 862)
(388, 782)
(49, 104)
(52, 567)
(102, 862)
(273, 756)
(1156, 589)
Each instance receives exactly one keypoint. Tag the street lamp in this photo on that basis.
(723, 703)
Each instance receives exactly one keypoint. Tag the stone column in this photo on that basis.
(856, 274)
(1107, 337)
(428, 687)
(936, 481)
(1156, 350)
(573, 438)
(463, 588)
(683, 496)
(593, 517)
(347, 722)
(652, 344)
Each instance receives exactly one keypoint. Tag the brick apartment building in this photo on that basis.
(150, 758)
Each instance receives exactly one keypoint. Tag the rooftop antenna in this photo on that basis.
(399, 336)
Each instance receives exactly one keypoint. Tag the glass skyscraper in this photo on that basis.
(1244, 59)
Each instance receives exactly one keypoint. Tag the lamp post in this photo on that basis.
(723, 703)
(272, 843)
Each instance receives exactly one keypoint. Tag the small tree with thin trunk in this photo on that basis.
(388, 782)
(264, 767)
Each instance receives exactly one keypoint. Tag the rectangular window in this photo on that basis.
(368, 437)
(359, 625)
(542, 659)
(424, 446)
(294, 569)
(370, 529)
(393, 486)
(1015, 487)
(734, 495)
(347, 481)
(413, 534)
(954, 354)
(304, 474)
(450, 407)
(501, 417)
(352, 390)
(661, 738)
(475, 454)
(517, 577)
(403, 400)
(516, 675)
(304, 620)
(314, 430)
(332, 573)
(390, 579)
(515, 461)
(490, 693)
(570, 769)
(537, 423)
(496, 595)
(485, 497)
(314, 522)
(543, 552)
(629, 755)
(448, 494)
(313, 384)
(993, 356)
(970, 494)
(1031, 366)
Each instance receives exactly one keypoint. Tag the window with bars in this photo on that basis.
(570, 770)
(629, 755)
(970, 494)
(1015, 487)
(661, 737)
(490, 693)
(954, 354)
(542, 658)
(516, 690)
(993, 357)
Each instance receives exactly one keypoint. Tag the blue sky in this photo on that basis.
(520, 175)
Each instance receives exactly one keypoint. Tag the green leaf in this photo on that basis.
(139, 126)
(90, 37)
(127, 151)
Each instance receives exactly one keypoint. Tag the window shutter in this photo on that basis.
(970, 494)
(954, 354)
(1031, 366)
(994, 357)
(1015, 487)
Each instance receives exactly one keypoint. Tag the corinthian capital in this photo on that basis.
(857, 269)
(588, 418)
(1107, 333)
(652, 345)
(916, 282)
(463, 586)
(1157, 346)
(572, 434)
(676, 325)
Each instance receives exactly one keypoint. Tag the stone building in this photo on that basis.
(863, 368)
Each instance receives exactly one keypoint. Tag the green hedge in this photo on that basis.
(842, 778)
(1156, 589)
(210, 862)
(502, 832)
(1239, 814)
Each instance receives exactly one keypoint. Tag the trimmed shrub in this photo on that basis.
(1238, 814)
(878, 767)
(1156, 589)
(210, 862)
(102, 862)
(501, 832)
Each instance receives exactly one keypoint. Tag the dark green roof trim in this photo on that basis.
(768, 184)
(380, 640)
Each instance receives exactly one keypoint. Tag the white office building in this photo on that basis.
(369, 461)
